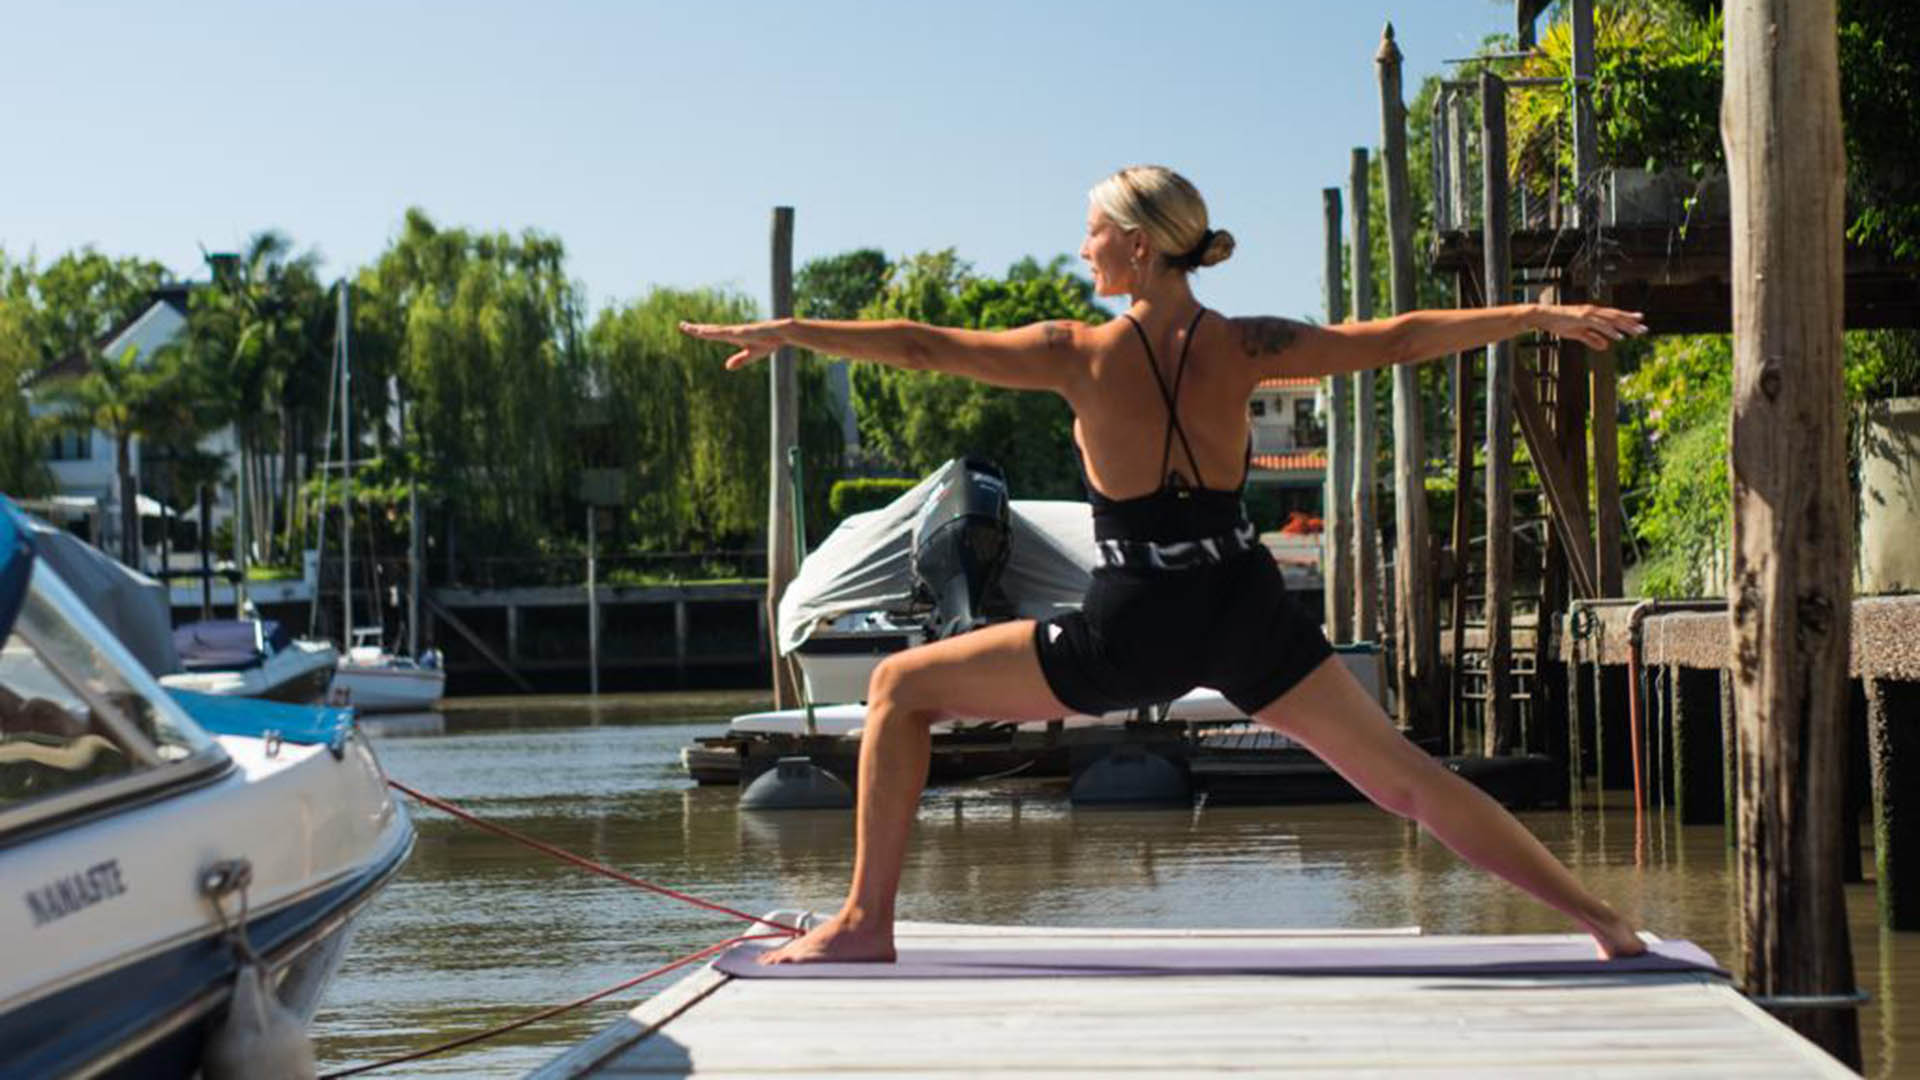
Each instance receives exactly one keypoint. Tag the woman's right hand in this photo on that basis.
(755, 339)
(1589, 324)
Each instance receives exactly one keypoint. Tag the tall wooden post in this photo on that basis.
(1500, 733)
(784, 395)
(1585, 139)
(1462, 531)
(1792, 524)
(1338, 510)
(1417, 637)
(593, 602)
(1607, 523)
(1366, 439)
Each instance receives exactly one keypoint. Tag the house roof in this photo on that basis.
(1294, 462)
(1297, 382)
(173, 294)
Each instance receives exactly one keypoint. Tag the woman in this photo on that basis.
(1185, 595)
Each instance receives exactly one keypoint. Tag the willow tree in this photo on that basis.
(916, 420)
(483, 331)
(692, 435)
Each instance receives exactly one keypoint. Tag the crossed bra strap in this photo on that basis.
(1172, 399)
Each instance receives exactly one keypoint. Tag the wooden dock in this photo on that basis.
(1330, 1024)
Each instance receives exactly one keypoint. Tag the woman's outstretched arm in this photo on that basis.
(1282, 347)
(1043, 356)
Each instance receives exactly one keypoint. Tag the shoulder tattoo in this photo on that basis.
(1057, 335)
(1265, 335)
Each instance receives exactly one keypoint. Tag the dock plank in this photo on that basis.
(1178, 1025)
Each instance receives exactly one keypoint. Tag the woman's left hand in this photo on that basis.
(756, 339)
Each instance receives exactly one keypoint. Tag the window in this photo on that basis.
(1258, 407)
(70, 716)
(70, 446)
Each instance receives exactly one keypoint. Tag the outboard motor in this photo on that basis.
(960, 545)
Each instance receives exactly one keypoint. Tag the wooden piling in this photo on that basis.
(1586, 141)
(1501, 730)
(1461, 538)
(1893, 726)
(783, 388)
(1417, 637)
(1337, 516)
(1792, 524)
(1366, 439)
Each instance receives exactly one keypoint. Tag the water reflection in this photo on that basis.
(477, 931)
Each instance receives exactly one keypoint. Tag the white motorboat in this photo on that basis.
(124, 807)
(253, 658)
(371, 679)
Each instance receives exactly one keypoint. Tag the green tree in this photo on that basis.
(128, 397)
(79, 297)
(484, 332)
(916, 420)
(839, 286)
(23, 471)
(693, 435)
(261, 336)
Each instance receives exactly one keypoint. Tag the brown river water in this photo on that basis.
(476, 931)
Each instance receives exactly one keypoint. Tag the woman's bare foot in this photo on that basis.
(841, 940)
(1615, 936)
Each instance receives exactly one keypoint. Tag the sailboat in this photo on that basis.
(369, 677)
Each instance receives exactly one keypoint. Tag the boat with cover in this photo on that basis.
(129, 817)
(953, 553)
(253, 658)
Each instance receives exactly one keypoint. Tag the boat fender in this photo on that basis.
(259, 1036)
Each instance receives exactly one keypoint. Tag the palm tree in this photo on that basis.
(265, 327)
(128, 397)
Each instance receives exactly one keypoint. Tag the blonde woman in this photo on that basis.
(1185, 595)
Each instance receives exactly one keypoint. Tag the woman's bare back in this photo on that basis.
(1121, 422)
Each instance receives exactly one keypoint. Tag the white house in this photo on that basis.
(82, 463)
(1289, 442)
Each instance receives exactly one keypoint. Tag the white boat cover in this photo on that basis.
(131, 604)
(866, 563)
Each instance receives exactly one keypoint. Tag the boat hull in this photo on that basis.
(375, 688)
(297, 676)
(126, 983)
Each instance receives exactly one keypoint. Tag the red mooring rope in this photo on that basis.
(585, 864)
(543, 1014)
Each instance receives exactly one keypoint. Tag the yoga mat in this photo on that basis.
(1388, 957)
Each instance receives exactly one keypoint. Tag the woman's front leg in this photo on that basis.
(991, 673)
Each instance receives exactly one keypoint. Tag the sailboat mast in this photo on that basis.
(346, 482)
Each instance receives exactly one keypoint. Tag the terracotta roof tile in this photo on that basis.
(1290, 383)
(1305, 459)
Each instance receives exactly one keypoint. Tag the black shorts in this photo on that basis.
(1146, 636)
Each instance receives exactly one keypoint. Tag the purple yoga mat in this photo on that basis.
(1388, 957)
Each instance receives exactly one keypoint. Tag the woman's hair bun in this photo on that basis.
(1218, 249)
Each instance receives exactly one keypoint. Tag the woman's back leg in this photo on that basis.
(1330, 713)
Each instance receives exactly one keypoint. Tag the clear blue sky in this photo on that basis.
(653, 138)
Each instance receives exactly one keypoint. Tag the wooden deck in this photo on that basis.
(711, 1025)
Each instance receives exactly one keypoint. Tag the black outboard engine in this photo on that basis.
(960, 545)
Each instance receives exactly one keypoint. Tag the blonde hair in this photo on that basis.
(1168, 208)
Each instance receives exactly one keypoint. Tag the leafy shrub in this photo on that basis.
(849, 497)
